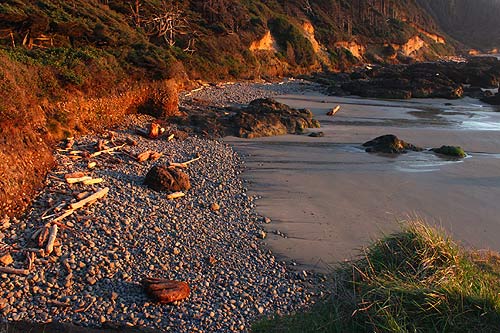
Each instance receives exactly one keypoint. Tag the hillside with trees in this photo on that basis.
(474, 23)
(68, 67)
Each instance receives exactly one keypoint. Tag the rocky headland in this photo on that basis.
(451, 80)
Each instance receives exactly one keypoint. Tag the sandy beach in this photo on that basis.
(330, 198)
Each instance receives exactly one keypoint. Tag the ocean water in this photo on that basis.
(330, 198)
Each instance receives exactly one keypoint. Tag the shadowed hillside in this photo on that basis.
(474, 23)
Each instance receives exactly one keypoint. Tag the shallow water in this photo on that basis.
(331, 198)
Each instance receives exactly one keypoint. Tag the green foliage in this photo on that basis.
(417, 280)
(290, 39)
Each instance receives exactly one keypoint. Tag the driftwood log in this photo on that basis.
(18, 271)
(52, 238)
(98, 195)
(333, 111)
(166, 291)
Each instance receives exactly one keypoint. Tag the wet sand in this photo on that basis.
(330, 198)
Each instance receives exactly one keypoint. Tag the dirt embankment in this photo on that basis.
(36, 113)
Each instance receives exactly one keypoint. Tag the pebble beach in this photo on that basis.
(108, 247)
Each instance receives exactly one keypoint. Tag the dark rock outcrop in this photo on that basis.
(266, 117)
(450, 80)
(389, 144)
(161, 178)
(493, 100)
(262, 117)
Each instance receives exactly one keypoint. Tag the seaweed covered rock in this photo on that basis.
(452, 151)
(389, 144)
(267, 117)
(161, 178)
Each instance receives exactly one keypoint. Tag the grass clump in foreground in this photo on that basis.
(417, 280)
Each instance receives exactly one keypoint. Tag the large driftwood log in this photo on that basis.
(166, 291)
(90, 198)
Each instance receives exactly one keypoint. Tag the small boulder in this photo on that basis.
(317, 134)
(450, 151)
(493, 100)
(389, 144)
(161, 178)
(166, 291)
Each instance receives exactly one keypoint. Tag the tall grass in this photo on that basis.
(418, 280)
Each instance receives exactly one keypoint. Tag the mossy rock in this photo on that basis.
(453, 151)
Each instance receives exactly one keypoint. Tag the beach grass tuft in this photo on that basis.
(417, 280)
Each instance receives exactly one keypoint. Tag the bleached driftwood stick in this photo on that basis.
(90, 198)
(78, 180)
(177, 165)
(93, 181)
(63, 215)
(191, 161)
(107, 150)
(52, 238)
(175, 195)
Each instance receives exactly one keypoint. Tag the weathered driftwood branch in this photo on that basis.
(75, 175)
(18, 271)
(52, 238)
(183, 165)
(44, 234)
(98, 195)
